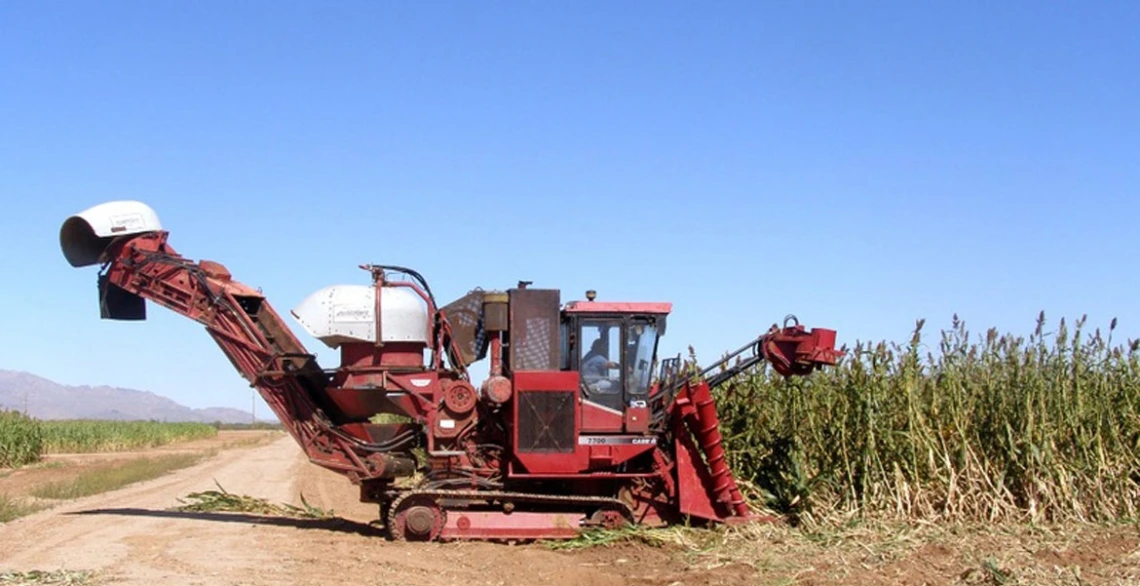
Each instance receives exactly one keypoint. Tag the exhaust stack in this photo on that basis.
(85, 237)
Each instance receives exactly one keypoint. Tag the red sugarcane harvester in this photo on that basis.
(570, 430)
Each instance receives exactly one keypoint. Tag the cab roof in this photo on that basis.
(660, 308)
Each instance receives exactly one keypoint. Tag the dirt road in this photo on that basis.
(131, 536)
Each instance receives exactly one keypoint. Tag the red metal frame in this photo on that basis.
(516, 525)
(147, 266)
(641, 308)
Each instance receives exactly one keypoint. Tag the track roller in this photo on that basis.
(416, 518)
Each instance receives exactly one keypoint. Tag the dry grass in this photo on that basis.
(12, 508)
(215, 501)
(116, 475)
(252, 440)
(58, 577)
(896, 553)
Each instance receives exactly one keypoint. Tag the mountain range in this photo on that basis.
(46, 399)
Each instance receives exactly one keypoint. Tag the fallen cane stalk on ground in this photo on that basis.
(57, 577)
(222, 501)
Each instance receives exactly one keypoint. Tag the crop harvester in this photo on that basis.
(576, 426)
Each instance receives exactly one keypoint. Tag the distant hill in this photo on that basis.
(50, 400)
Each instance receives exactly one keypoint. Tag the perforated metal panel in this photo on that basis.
(465, 316)
(534, 329)
(546, 421)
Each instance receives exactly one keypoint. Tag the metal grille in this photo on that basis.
(534, 329)
(466, 318)
(546, 421)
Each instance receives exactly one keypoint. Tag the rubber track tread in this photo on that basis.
(499, 495)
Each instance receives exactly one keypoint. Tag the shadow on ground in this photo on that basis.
(335, 524)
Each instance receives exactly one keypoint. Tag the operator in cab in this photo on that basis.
(596, 366)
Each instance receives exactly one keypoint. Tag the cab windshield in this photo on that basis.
(642, 343)
(600, 359)
(616, 353)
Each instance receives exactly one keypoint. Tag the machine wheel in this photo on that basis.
(609, 519)
(416, 518)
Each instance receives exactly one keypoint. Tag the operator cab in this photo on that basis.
(613, 347)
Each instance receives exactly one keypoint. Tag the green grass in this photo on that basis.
(86, 436)
(959, 428)
(21, 439)
(105, 479)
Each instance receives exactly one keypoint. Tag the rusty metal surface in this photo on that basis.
(495, 316)
(258, 344)
(465, 315)
(534, 329)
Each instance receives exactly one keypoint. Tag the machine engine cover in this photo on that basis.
(343, 314)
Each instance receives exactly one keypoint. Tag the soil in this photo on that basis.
(132, 536)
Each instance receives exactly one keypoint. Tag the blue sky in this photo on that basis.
(859, 164)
